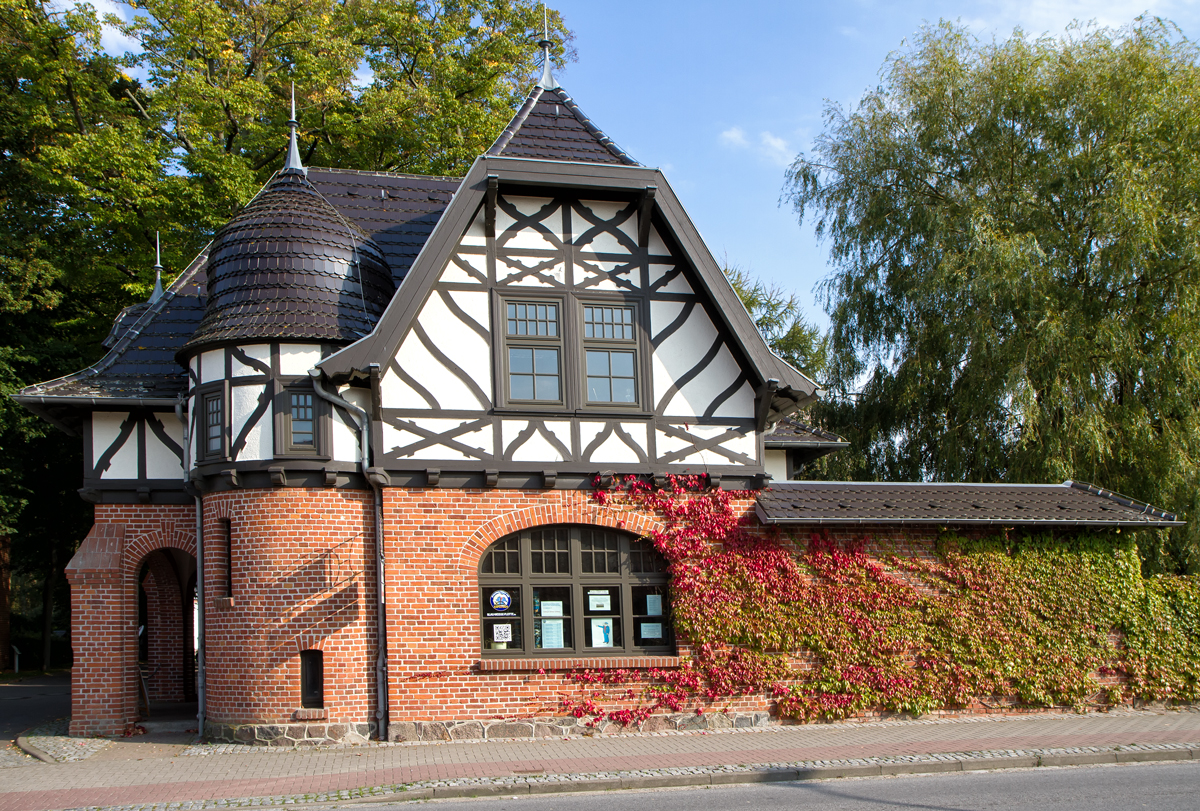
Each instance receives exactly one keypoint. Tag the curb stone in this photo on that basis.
(522, 785)
(25, 746)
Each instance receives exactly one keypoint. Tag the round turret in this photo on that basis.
(289, 267)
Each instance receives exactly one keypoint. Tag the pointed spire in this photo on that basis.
(293, 157)
(157, 292)
(547, 82)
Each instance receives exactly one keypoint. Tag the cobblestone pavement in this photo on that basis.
(135, 774)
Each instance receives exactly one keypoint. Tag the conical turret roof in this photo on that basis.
(290, 267)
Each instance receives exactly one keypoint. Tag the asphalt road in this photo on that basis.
(1154, 786)
(33, 700)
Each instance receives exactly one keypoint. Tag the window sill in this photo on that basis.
(309, 715)
(576, 662)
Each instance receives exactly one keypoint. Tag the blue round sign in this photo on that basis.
(500, 600)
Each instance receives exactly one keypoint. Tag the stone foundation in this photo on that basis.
(534, 728)
(291, 734)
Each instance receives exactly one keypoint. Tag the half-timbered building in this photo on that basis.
(360, 430)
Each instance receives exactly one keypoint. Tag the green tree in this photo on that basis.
(781, 322)
(1016, 293)
(94, 162)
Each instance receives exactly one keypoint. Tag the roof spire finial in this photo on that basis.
(293, 157)
(157, 292)
(547, 81)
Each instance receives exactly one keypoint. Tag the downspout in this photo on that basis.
(363, 421)
(195, 491)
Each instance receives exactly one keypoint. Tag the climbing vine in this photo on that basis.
(832, 628)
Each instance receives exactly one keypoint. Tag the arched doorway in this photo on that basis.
(165, 645)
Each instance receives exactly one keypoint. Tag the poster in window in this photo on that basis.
(552, 633)
(599, 600)
(502, 632)
(552, 608)
(602, 632)
(651, 630)
(654, 605)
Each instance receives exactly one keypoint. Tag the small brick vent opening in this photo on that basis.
(312, 680)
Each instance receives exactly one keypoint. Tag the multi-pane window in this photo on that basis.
(214, 426)
(610, 359)
(298, 420)
(303, 422)
(608, 322)
(565, 590)
(534, 334)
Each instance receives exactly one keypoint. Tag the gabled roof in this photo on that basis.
(1070, 504)
(550, 126)
(791, 389)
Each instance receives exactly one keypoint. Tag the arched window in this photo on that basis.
(564, 590)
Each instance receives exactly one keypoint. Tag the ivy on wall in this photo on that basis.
(830, 631)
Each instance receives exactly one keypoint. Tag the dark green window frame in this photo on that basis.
(567, 590)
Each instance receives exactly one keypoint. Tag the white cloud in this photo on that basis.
(775, 149)
(734, 137)
(1053, 16)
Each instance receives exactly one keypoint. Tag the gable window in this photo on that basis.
(534, 351)
(212, 434)
(564, 590)
(610, 361)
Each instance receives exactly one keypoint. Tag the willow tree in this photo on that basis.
(1016, 286)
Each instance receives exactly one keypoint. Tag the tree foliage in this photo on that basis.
(93, 162)
(779, 319)
(1016, 294)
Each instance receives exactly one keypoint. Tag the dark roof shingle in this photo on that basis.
(1070, 504)
(550, 126)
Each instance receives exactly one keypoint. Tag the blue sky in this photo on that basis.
(722, 95)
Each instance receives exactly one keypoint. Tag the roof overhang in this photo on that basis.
(1068, 505)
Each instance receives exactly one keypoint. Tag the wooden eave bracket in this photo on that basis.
(491, 478)
(489, 206)
(645, 209)
(549, 477)
(278, 475)
(379, 476)
(765, 394)
(433, 476)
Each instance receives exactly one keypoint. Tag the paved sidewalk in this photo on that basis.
(140, 772)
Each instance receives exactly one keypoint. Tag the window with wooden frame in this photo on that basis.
(212, 425)
(569, 590)
(610, 366)
(299, 420)
(533, 351)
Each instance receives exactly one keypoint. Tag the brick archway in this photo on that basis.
(105, 583)
(636, 523)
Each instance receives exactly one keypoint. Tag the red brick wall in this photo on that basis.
(303, 578)
(5, 602)
(433, 540)
(104, 609)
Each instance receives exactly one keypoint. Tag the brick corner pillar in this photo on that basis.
(5, 602)
(97, 625)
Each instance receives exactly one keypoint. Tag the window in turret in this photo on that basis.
(212, 434)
